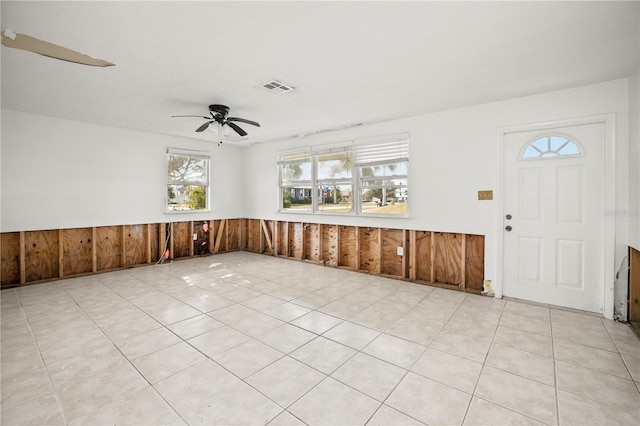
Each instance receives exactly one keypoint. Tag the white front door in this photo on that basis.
(553, 229)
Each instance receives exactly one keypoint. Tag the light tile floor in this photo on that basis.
(241, 338)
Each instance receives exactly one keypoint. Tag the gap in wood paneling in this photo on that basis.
(201, 244)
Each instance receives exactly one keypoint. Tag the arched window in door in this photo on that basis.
(552, 146)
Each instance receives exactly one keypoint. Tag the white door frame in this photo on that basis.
(609, 198)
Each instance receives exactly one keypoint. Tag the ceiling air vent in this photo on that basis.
(276, 87)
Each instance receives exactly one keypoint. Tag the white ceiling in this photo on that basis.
(351, 62)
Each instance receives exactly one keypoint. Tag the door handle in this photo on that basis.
(508, 228)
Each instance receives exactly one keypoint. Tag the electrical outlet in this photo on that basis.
(485, 195)
(195, 237)
(400, 251)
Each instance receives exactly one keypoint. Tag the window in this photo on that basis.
(355, 178)
(187, 181)
(296, 181)
(549, 147)
(334, 180)
(382, 168)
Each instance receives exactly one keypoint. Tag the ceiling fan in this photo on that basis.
(219, 114)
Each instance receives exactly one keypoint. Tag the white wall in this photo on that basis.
(59, 173)
(453, 155)
(65, 174)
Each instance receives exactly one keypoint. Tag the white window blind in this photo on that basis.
(381, 152)
(188, 167)
(294, 157)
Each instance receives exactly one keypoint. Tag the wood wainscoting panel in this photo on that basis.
(348, 237)
(77, 245)
(10, 271)
(108, 247)
(42, 254)
(391, 262)
(448, 258)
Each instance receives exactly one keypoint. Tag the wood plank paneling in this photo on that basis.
(423, 255)
(448, 258)
(41, 255)
(312, 241)
(254, 230)
(474, 258)
(634, 284)
(330, 245)
(135, 245)
(234, 235)
(220, 236)
(157, 245)
(182, 240)
(283, 239)
(268, 232)
(77, 253)
(391, 263)
(369, 249)
(347, 245)
(296, 235)
(10, 270)
(108, 247)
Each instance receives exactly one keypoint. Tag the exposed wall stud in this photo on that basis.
(412, 255)
(61, 253)
(216, 248)
(148, 239)
(23, 259)
(94, 249)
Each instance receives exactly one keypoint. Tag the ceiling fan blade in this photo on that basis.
(237, 129)
(198, 116)
(244, 120)
(32, 44)
(204, 126)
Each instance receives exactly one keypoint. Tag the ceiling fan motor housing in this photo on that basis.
(221, 110)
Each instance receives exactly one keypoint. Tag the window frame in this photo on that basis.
(206, 182)
(392, 151)
(297, 157)
(354, 181)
